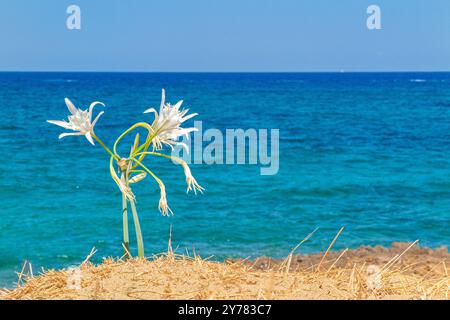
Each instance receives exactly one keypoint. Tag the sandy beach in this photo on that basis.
(402, 271)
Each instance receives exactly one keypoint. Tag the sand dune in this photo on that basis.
(364, 273)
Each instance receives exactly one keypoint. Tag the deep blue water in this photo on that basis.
(368, 151)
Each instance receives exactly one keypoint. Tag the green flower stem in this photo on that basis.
(150, 136)
(104, 146)
(133, 127)
(160, 155)
(146, 145)
(158, 180)
(126, 237)
(112, 171)
(140, 242)
(173, 158)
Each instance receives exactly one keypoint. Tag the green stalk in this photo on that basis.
(140, 242)
(151, 134)
(104, 146)
(158, 180)
(133, 127)
(161, 155)
(126, 237)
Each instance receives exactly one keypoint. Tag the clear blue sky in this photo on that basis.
(226, 35)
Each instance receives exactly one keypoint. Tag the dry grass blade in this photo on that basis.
(127, 252)
(288, 260)
(30, 268)
(169, 243)
(396, 258)
(338, 258)
(329, 248)
(93, 251)
(21, 273)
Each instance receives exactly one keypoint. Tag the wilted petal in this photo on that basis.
(190, 180)
(162, 205)
(138, 178)
(126, 191)
(122, 186)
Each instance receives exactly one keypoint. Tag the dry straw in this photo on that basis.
(410, 273)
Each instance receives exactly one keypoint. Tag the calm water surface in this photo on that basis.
(368, 151)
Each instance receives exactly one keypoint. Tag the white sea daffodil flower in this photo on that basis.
(79, 121)
(166, 126)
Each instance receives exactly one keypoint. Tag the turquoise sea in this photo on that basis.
(368, 151)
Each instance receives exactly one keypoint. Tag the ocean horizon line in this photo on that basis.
(227, 72)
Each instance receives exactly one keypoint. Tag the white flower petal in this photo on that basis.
(185, 132)
(178, 104)
(89, 137)
(167, 123)
(60, 123)
(70, 106)
(91, 107)
(62, 135)
(96, 118)
(151, 110)
(79, 121)
(189, 117)
(163, 100)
